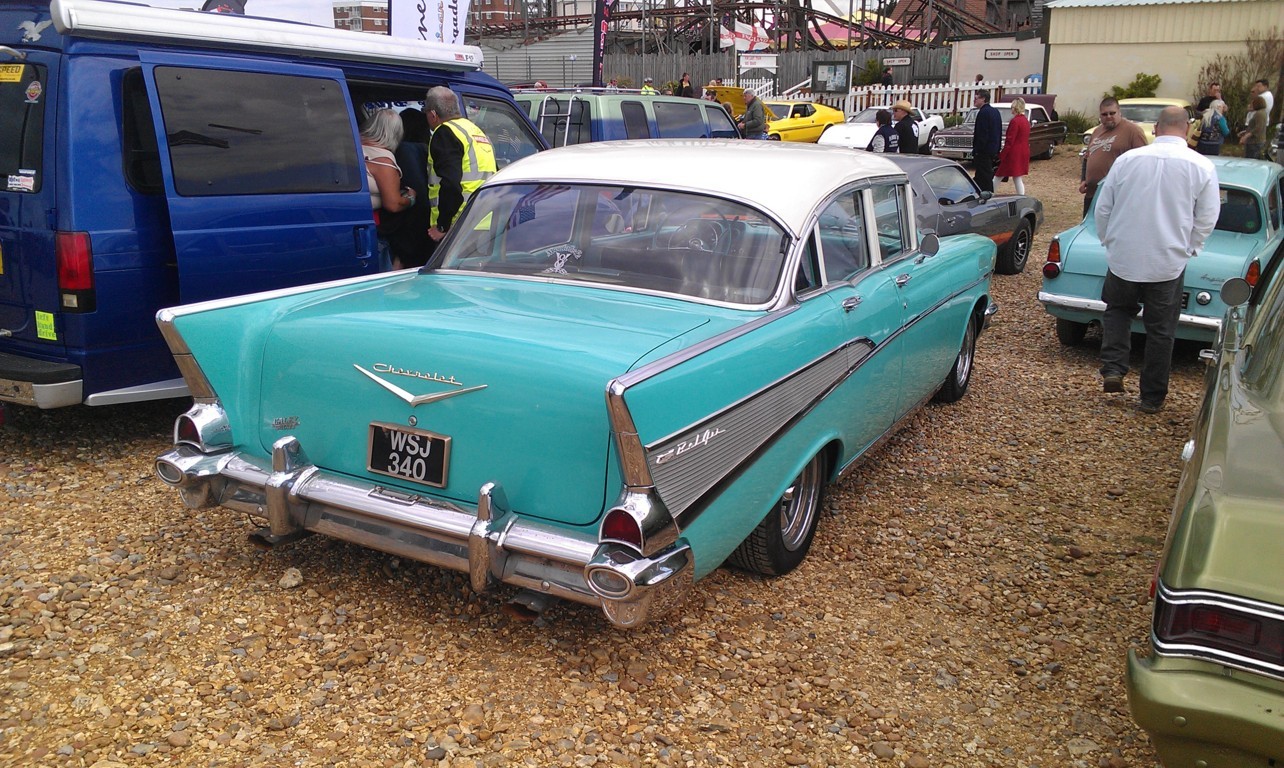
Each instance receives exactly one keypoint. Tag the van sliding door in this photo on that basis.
(262, 173)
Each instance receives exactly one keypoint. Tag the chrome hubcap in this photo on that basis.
(799, 505)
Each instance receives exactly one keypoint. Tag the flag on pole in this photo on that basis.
(441, 21)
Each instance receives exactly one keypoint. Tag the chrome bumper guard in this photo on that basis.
(1079, 304)
(492, 544)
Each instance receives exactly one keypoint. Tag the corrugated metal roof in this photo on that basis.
(1123, 3)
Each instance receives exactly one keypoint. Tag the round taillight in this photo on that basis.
(185, 431)
(1051, 270)
(1254, 272)
(620, 526)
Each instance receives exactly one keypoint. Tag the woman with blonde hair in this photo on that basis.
(1014, 158)
(1213, 129)
(380, 138)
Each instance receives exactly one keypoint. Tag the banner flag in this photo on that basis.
(441, 21)
(601, 16)
(746, 37)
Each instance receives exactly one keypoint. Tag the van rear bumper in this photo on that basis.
(39, 383)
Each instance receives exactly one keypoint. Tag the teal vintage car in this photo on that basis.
(628, 363)
(1248, 236)
(1210, 691)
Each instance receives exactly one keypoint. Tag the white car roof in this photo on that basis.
(786, 180)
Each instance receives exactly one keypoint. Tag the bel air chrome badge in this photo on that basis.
(416, 400)
(695, 441)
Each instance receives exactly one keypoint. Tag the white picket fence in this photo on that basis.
(933, 99)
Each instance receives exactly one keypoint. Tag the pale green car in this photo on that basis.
(628, 363)
(1211, 689)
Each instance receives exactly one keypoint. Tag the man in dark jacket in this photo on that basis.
(987, 140)
(906, 128)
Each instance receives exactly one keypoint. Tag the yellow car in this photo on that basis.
(1145, 111)
(800, 120)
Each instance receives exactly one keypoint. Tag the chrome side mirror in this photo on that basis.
(1236, 291)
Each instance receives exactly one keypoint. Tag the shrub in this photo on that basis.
(1076, 123)
(1262, 57)
(952, 120)
(870, 74)
(1142, 85)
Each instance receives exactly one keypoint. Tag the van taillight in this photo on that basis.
(75, 271)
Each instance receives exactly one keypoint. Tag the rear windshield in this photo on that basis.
(244, 133)
(625, 237)
(1240, 212)
(22, 123)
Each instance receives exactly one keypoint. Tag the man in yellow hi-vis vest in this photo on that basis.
(460, 158)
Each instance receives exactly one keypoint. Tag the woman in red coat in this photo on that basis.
(1014, 159)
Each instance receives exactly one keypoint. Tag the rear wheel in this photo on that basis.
(956, 383)
(1016, 252)
(1052, 150)
(781, 540)
(774, 137)
(1071, 333)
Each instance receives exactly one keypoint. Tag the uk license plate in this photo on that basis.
(409, 454)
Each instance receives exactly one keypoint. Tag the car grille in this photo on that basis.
(959, 142)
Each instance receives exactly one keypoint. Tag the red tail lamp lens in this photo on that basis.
(620, 526)
(1054, 252)
(75, 261)
(1254, 273)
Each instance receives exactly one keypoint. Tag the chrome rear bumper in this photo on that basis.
(1098, 307)
(490, 543)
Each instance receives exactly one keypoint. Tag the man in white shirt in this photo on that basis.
(1263, 89)
(1155, 209)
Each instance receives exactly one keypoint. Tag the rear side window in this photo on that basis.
(635, 122)
(564, 121)
(720, 125)
(679, 121)
(245, 133)
(142, 159)
(22, 125)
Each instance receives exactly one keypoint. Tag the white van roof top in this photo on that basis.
(127, 21)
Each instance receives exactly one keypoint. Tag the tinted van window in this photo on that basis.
(635, 122)
(509, 136)
(142, 158)
(564, 121)
(678, 121)
(231, 133)
(720, 125)
(22, 125)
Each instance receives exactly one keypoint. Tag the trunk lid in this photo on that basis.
(521, 369)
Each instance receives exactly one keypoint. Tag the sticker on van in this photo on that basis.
(45, 326)
(11, 73)
(33, 92)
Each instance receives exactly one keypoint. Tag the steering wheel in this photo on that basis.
(698, 235)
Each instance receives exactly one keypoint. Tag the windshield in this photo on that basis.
(1005, 113)
(1141, 113)
(865, 115)
(626, 237)
(1239, 213)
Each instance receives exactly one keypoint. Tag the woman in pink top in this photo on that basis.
(1014, 160)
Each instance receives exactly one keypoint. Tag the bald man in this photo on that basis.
(1154, 211)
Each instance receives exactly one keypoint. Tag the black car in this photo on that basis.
(948, 202)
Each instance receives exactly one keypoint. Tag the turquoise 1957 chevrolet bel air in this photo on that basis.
(628, 363)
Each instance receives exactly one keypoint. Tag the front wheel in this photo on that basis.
(780, 542)
(956, 383)
(1052, 150)
(1016, 252)
(927, 148)
(1071, 333)
(773, 137)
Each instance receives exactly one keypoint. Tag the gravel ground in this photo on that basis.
(971, 595)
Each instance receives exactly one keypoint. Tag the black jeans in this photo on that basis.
(1160, 305)
(984, 166)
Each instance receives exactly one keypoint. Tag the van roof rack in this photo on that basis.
(107, 20)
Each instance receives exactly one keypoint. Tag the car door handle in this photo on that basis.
(1209, 356)
(901, 280)
(852, 302)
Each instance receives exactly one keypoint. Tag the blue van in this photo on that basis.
(155, 157)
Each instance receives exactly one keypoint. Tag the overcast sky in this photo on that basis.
(311, 11)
